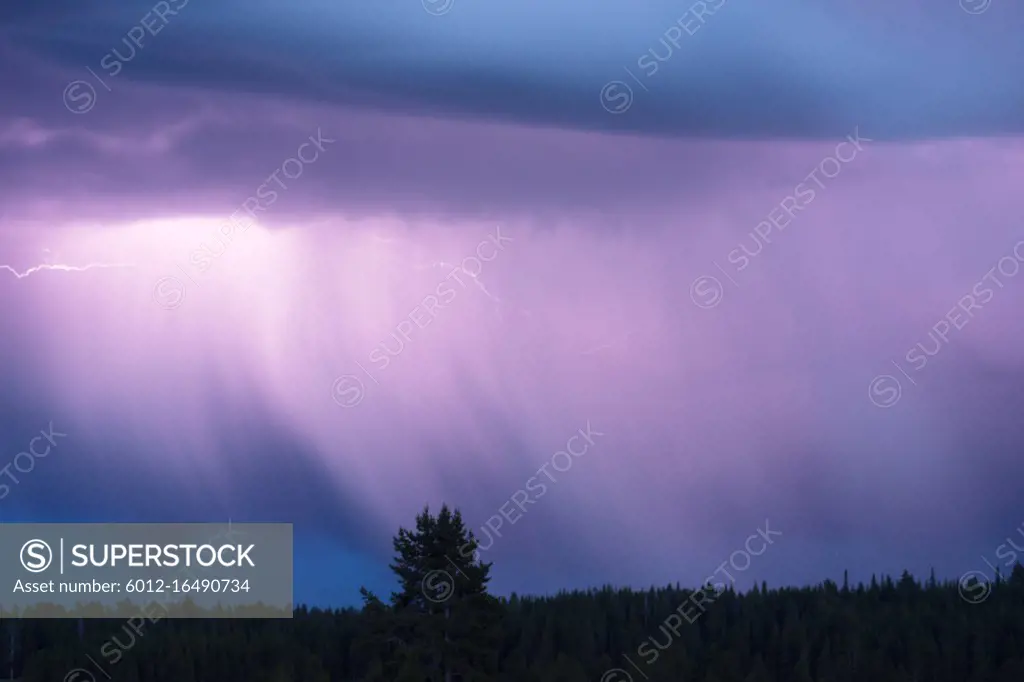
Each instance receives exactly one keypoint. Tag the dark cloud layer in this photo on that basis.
(792, 70)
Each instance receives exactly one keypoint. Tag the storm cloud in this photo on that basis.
(376, 259)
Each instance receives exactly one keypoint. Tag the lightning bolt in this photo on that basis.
(476, 280)
(498, 303)
(58, 267)
(621, 342)
(635, 342)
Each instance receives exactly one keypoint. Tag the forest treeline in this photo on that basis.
(441, 625)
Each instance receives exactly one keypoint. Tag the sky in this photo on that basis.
(327, 264)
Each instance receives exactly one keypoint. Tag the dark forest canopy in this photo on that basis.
(442, 626)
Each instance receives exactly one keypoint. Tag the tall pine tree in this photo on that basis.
(442, 625)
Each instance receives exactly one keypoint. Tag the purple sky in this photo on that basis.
(216, 394)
